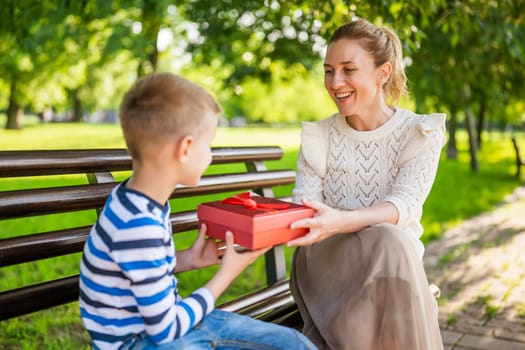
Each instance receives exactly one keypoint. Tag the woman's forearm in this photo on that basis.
(329, 221)
(358, 219)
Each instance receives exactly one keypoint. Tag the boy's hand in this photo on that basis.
(235, 261)
(232, 264)
(204, 251)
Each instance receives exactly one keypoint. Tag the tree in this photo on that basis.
(19, 36)
(470, 64)
(463, 53)
(251, 34)
(41, 41)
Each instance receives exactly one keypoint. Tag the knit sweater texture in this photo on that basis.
(349, 169)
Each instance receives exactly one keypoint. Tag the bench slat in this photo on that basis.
(53, 162)
(38, 297)
(270, 304)
(244, 302)
(267, 303)
(17, 250)
(22, 249)
(41, 201)
(264, 303)
(286, 315)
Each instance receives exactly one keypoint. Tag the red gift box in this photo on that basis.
(255, 221)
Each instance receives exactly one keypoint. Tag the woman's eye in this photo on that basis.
(327, 72)
(349, 70)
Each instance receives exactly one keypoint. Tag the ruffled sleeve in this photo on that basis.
(430, 128)
(311, 163)
(417, 167)
(313, 147)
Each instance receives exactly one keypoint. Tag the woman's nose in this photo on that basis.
(337, 80)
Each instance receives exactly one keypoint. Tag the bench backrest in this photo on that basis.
(100, 166)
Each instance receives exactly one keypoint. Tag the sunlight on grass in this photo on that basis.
(78, 136)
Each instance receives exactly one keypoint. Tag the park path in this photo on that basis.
(479, 266)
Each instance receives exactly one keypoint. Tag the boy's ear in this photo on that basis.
(183, 148)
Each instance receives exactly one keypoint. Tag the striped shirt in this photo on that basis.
(127, 281)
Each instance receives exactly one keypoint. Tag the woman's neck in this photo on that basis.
(370, 121)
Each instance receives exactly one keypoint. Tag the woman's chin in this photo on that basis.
(346, 111)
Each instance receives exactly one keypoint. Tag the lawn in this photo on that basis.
(457, 194)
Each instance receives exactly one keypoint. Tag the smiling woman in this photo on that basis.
(366, 171)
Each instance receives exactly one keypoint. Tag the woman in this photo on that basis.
(358, 275)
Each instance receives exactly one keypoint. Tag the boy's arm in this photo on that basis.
(184, 262)
(154, 288)
(232, 264)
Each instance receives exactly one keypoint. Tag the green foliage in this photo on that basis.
(471, 58)
(491, 310)
(284, 100)
(87, 53)
(452, 319)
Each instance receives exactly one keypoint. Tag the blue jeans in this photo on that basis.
(226, 330)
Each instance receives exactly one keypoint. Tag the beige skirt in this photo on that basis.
(365, 290)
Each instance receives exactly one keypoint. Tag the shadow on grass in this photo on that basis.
(479, 267)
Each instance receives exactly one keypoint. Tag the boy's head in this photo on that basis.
(163, 106)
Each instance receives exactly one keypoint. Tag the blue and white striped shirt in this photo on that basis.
(127, 281)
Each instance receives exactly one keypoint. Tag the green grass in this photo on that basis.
(457, 194)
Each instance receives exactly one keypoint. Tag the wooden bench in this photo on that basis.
(519, 161)
(101, 166)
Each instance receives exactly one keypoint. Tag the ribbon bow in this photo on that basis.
(246, 200)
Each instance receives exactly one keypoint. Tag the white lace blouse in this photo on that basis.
(349, 169)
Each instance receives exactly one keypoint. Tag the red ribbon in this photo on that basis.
(246, 200)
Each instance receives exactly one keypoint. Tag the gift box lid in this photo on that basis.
(260, 218)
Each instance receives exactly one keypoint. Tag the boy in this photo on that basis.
(128, 290)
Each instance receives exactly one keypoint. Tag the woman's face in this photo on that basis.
(351, 78)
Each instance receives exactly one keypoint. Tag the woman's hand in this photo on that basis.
(326, 222)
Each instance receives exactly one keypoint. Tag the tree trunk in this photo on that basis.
(481, 121)
(473, 149)
(452, 149)
(150, 30)
(77, 108)
(15, 112)
(140, 69)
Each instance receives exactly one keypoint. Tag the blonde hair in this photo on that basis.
(384, 46)
(162, 105)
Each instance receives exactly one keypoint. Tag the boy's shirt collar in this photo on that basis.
(152, 205)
